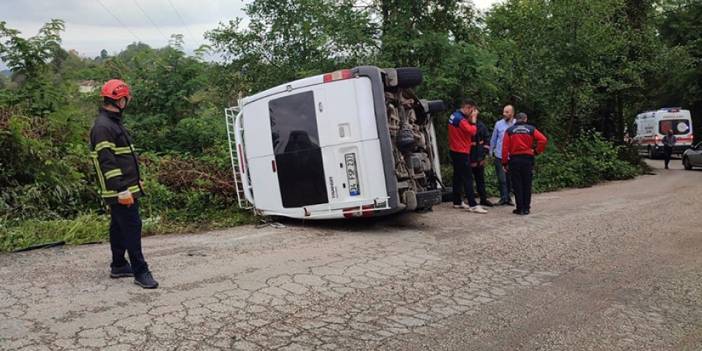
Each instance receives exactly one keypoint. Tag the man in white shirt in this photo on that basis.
(498, 134)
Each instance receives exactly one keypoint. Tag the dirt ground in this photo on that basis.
(613, 267)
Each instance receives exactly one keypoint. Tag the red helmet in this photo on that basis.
(116, 89)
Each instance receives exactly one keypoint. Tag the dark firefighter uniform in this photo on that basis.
(521, 143)
(480, 147)
(117, 168)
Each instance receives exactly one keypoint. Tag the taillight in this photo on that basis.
(338, 75)
(364, 211)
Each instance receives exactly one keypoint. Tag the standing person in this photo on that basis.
(461, 129)
(117, 168)
(479, 149)
(518, 153)
(669, 141)
(498, 135)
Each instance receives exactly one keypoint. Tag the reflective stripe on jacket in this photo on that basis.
(519, 140)
(114, 158)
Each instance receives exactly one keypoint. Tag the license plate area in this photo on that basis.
(352, 174)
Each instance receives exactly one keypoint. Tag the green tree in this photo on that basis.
(28, 58)
(286, 40)
(575, 65)
(680, 83)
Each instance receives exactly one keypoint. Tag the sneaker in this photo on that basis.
(477, 209)
(462, 206)
(525, 212)
(121, 272)
(517, 212)
(145, 280)
(486, 203)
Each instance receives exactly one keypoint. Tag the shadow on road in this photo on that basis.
(404, 220)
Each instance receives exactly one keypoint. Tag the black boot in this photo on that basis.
(121, 272)
(506, 203)
(145, 280)
(486, 203)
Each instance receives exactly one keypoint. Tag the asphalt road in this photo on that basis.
(613, 267)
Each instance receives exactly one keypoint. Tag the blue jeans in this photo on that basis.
(502, 180)
(125, 236)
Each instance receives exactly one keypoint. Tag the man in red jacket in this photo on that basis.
(518, 151)
(461, 129)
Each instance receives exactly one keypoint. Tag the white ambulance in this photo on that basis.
(650, 128)
(356, 142)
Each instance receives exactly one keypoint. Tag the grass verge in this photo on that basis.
(93, 227)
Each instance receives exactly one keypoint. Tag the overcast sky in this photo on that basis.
(90, 27)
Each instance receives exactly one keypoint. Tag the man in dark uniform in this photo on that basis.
(668, 145)
(480, 147)
(117, 168)
(518, 151)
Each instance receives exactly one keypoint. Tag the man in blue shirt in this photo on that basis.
(498, 134)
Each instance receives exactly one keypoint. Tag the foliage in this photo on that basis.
(27, 58)
(587, 160)
(288, 39)
(47, 180)
(680, 84)
(79, 230)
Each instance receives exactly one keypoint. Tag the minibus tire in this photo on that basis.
(447, 194)
(686, 163)
(436, 106)
(408, 77)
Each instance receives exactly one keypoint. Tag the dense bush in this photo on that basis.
(49, 190)
(48, 186)
(587, 160)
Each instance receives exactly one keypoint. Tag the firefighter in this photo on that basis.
(461, 129)
(117, 168)
(520, 144)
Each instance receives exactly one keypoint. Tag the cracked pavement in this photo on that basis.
(613, 267)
